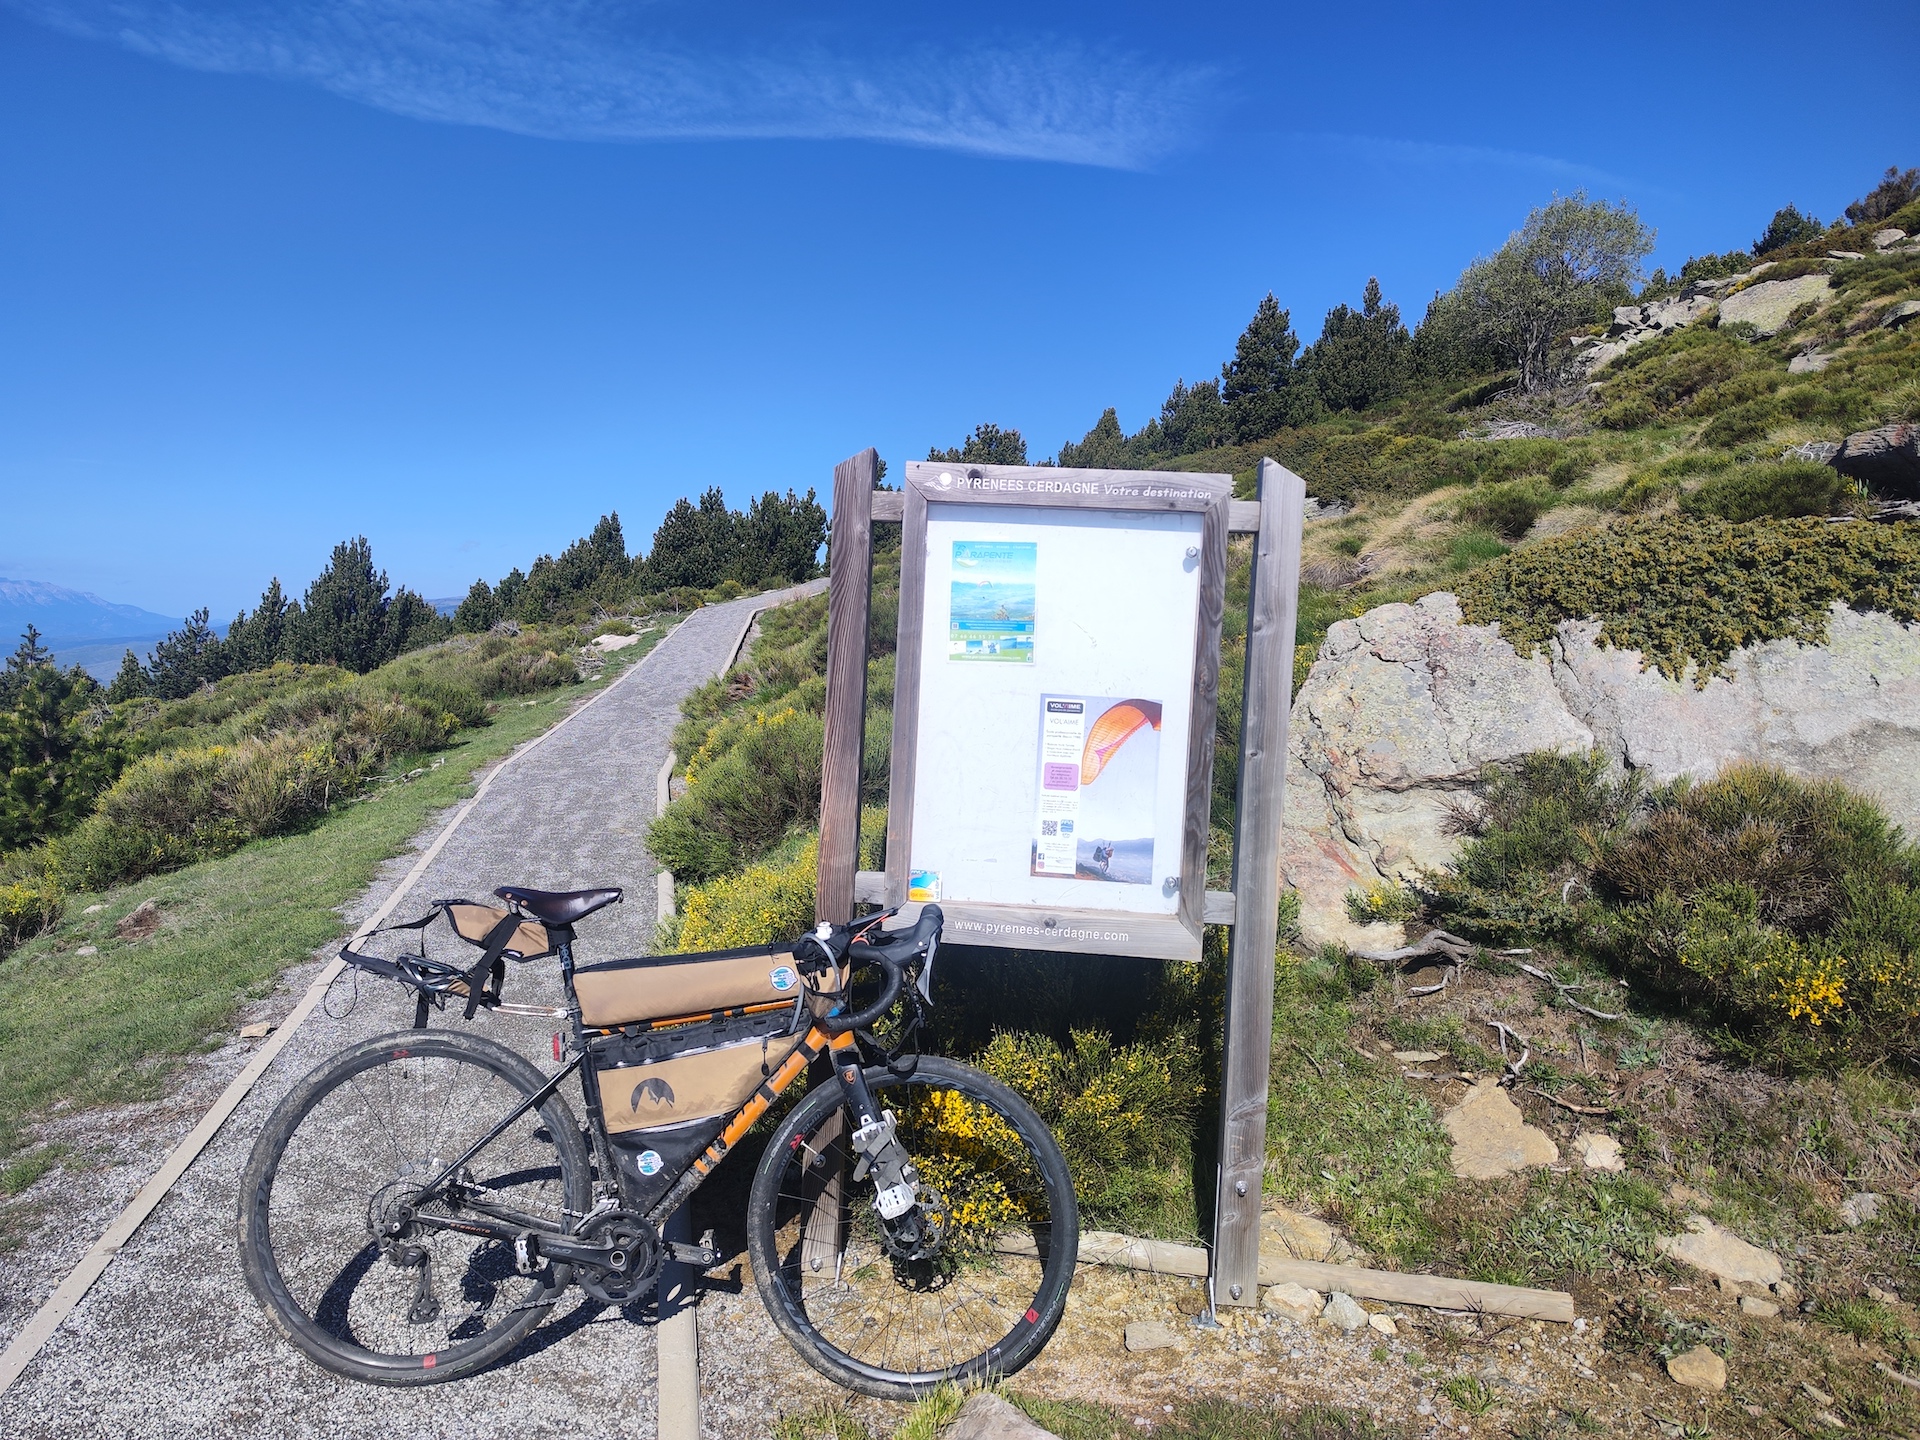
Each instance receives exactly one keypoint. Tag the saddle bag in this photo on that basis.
(667, 1093)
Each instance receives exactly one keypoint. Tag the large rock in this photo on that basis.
(1887, 459)
(1491, 1138)
(1293, 1236)
(1407, 703)
(1847, 710)
(1401, 711)
(986, 1416)
(1720, 1253)
(1767, 305)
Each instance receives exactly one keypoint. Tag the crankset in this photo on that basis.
(629, 1259)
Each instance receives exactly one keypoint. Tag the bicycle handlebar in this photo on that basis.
(892, 952)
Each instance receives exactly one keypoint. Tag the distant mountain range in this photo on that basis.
(80, 629)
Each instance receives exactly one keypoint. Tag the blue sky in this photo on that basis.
(462, 276)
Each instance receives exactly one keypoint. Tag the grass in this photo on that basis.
(79, 1030)
(1079, 1420)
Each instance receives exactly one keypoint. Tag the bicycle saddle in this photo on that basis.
(558, 907)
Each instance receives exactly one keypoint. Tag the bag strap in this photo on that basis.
(496, 947)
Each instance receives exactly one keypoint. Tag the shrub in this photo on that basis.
(28, 905)
(1745, 422)
(1508, 510)
(742, 800)
(1687, 590)
(761, 905)
(1788, 911)
(1784, 491)
(1121, 1113)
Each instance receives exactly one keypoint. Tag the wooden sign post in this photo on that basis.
(1055, 691)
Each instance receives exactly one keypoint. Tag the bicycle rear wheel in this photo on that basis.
(981, 1300)
(338, 1170)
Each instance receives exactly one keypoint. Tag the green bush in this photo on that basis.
(1508, 510)
(1784, 491)
(1686, 590)
(29, 903)
(743, 800)
(1786, 911)
(1745, 422)
(1122, 1114)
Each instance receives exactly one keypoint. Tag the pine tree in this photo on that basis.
(188, 658)
(1362, 357)
(57, 753)
(1104, 447)
(255, 641)
(21, 665)
(479, 611)
(780, 539)
(695, 545)
(987, 445)
(131, 683)
(1258, 383)
(343, 620)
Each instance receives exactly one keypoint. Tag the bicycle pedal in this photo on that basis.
(700, 1257)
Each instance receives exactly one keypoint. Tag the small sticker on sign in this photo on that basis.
(923, 885)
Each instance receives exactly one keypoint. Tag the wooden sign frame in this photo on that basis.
(1251, 907)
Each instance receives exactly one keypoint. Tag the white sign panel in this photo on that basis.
(1056, 678)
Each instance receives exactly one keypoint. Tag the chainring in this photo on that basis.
(635, 1242)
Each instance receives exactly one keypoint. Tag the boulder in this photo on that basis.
(1720, 1253)
(986, 1416)
(1296, 1302)
(1905, 313)
(1401, 711)
(1699, 1369)
(1809, 362)
(1887, 459)
(1344, 1311)
(1407, 703)
(1767, 305)
(1886, 239)
(1759, 1309)
(1491, 1137)
(1847, 710)
(1633, 324)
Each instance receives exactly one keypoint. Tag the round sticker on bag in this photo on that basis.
(649, 1162)
(783, 978)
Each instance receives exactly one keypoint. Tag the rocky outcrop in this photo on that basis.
(1888, 459)
(1407, 703)
(1768, 305)
(1401, 711)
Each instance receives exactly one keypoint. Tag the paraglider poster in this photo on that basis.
(990, 601)
(1098, 785)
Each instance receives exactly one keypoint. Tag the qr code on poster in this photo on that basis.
(1049, 827)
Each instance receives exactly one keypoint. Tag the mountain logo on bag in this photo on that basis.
(649, 1162)
(782, 977)
(654, 1089)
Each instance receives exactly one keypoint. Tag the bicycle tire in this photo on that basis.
(325, 1330)
(782, 1279)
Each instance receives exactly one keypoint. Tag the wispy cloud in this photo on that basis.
(571, 70)
(1432, 155)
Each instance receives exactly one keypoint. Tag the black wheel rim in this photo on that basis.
(354, 1160)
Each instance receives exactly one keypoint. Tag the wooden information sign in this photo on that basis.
(1055, 701)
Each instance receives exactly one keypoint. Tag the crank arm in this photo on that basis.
(700, 1257)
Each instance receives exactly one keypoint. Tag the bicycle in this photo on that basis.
(415, 1206)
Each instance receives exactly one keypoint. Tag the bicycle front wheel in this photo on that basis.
(983, 1285)
(338, 1241)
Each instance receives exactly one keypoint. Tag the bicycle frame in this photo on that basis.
(506, 1225)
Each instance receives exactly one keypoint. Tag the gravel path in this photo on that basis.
(170, 1342)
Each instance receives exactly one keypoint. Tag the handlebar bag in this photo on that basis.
(667, 1093)
(659, 987)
